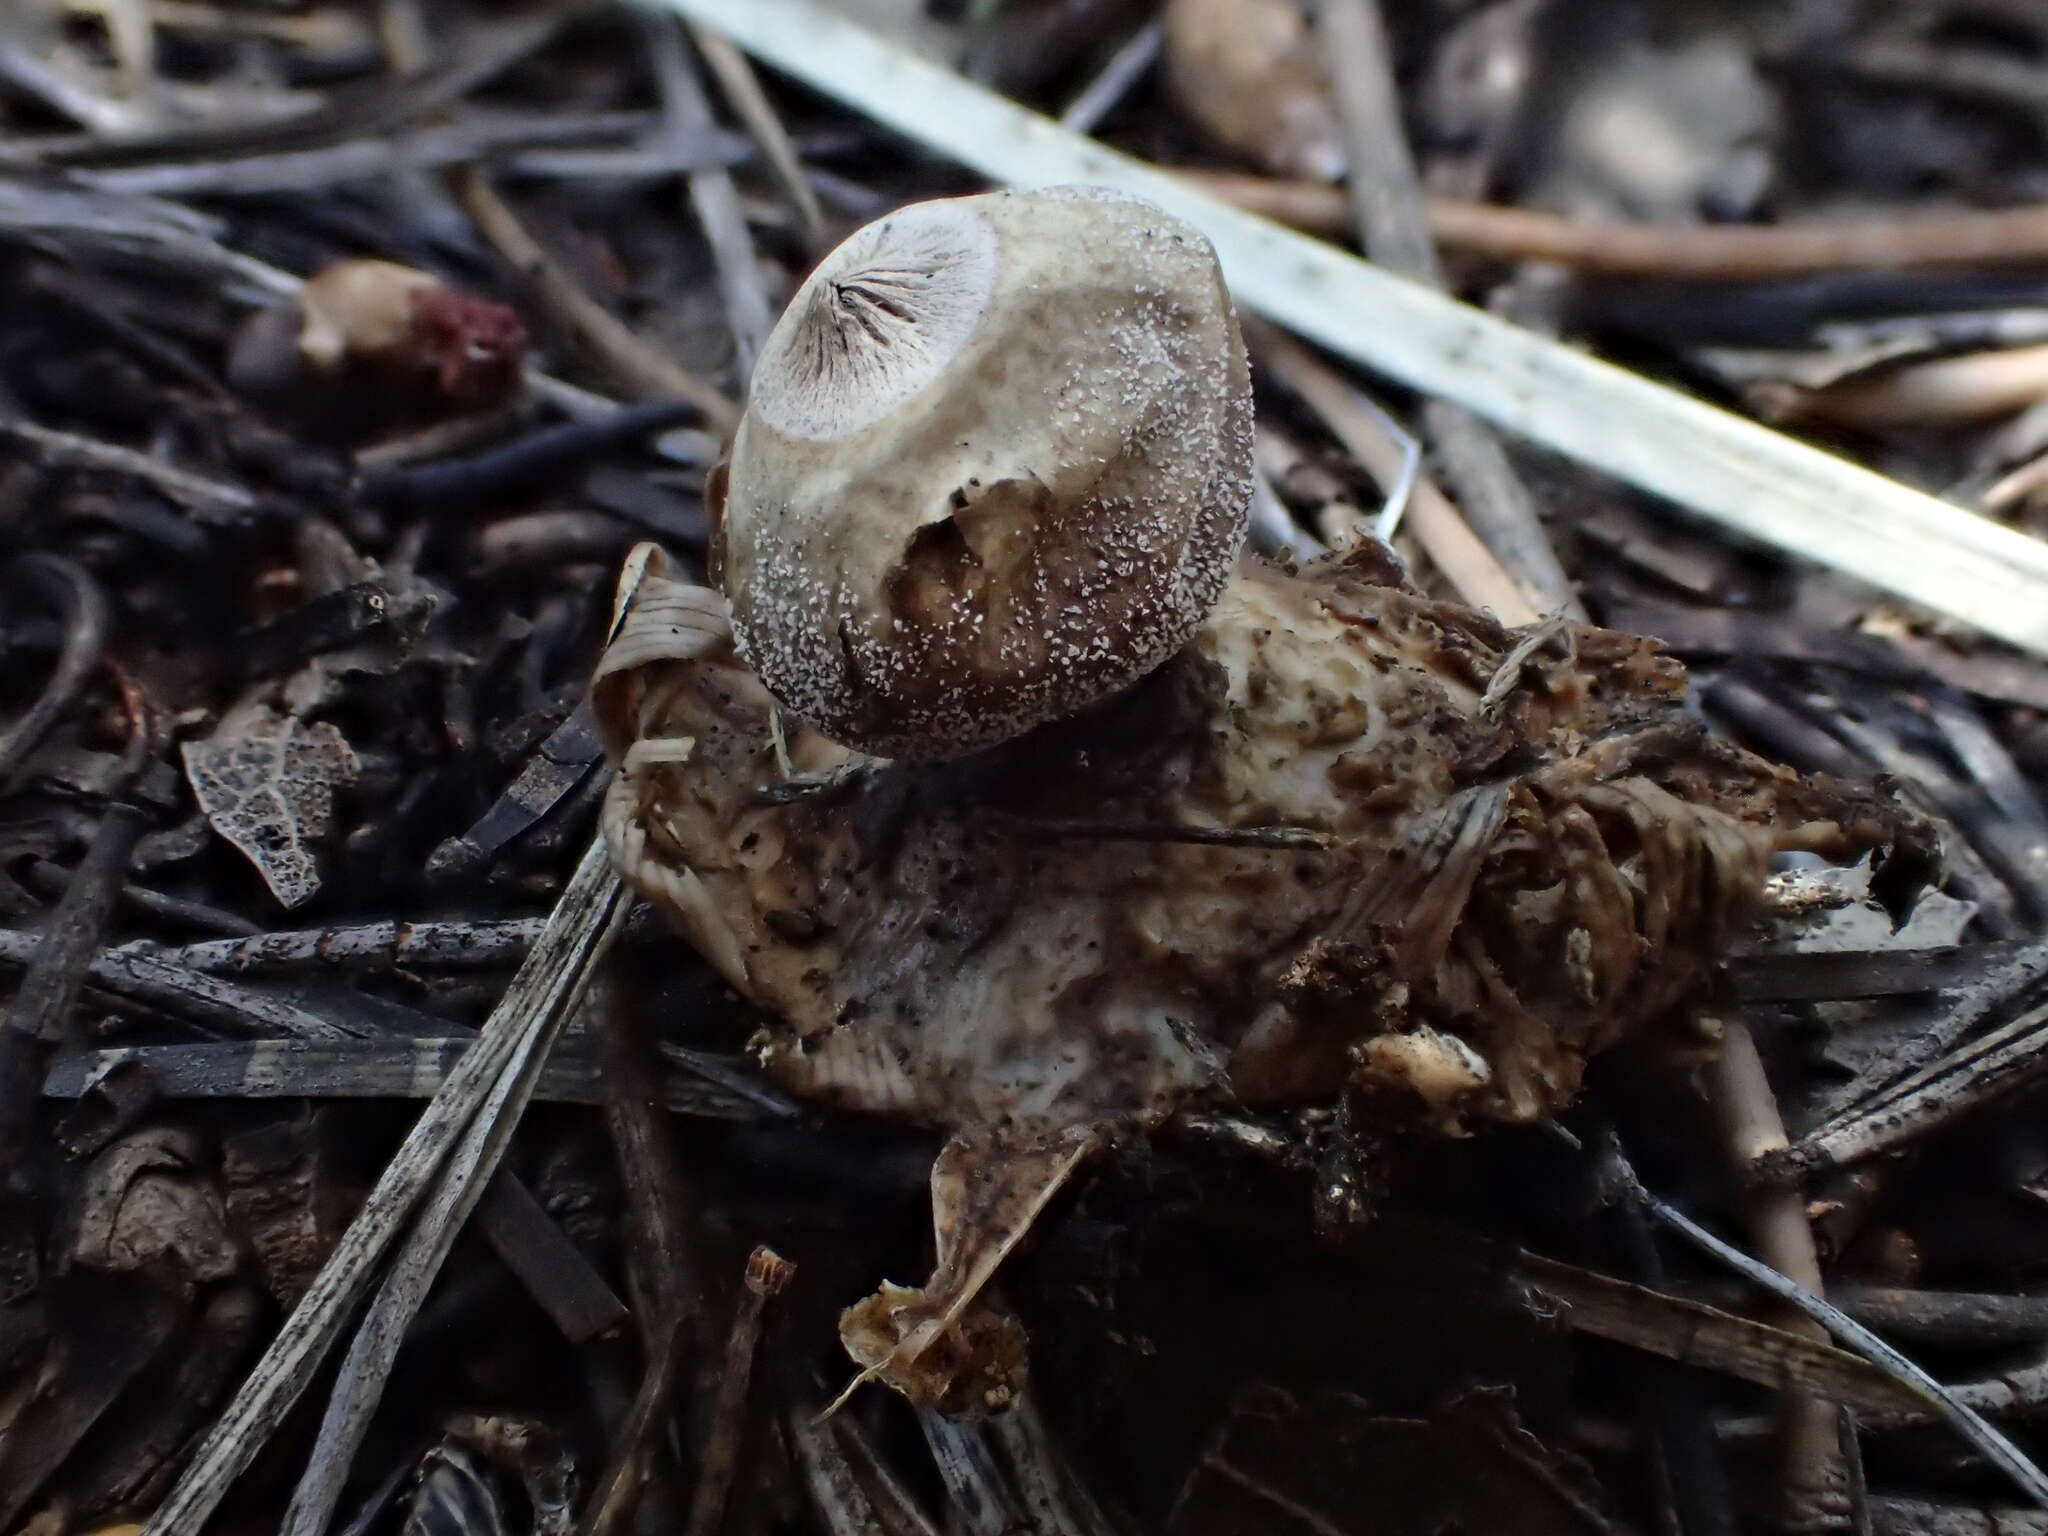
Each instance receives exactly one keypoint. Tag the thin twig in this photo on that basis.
(450, 485)
(1910, 240)
(2020, 965)
(665, 1273)
(1114, 80)
(202, 495)
(212, 1000)
(87, 618)
(713, 196)
(631, 363)
(767, 1273)
(1815, 1475)
(40, 1015)
(413, 1068)
(1965, 1079)
(742, 87)
(1467, 564)
(1998, 1450)
(1965, 1319)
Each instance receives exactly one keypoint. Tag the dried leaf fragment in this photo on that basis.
(266, 783)
(146, 1205)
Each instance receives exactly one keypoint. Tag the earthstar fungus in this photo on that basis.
(1280, 836)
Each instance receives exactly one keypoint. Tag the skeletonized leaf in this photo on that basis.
(266, 783)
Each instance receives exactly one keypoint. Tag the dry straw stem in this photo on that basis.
(1960, 1415)
(742, 88)
(1731, 470)
(1975, 237)
(1693, 1333)
(1943, 392)
(493, 1074)
(1815, 1474)
(595, 904)
(1466, 563)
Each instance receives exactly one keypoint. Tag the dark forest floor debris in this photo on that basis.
(347, 348)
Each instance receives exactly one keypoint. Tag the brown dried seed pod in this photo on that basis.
(995, 466)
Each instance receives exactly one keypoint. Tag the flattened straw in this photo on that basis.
(594, 901)
(542, 990)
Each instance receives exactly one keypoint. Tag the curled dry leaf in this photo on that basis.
(1247, 72)
(266, 783)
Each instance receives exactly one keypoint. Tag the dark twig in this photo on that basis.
(1993, 989)
(40, 1016)
(664, 1272)
(1823, 976)
(456, 484)
(86, 618)
(551, 1267)
(1693, 1476)
(1280, 839)
(1960, 1319)
(367, 946)
(767, 1273)
(52, 879)
(1965, 1079)
(221, 1004)
(398, 1069)
(561, 763)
